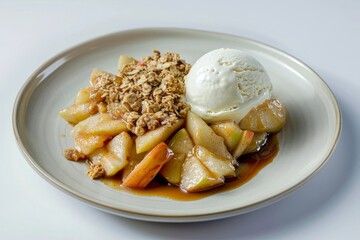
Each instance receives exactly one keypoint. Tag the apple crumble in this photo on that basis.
(136, 126)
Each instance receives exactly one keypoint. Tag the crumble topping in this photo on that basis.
(96, 171)
(146, 94)
(73, 155)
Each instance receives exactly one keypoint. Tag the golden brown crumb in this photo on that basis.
(146, 94)
(96, 171)
(73, 155)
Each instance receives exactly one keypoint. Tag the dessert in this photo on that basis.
(160, 118)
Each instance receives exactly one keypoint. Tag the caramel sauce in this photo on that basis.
(249, 166)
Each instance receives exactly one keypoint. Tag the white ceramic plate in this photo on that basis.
(311, 133)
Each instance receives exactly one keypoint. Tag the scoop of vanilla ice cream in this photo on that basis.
(225, 84)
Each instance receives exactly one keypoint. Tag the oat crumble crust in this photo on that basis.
(73, 155)
(96, 171)
(146, 94)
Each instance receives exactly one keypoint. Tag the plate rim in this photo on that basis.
(163, 217)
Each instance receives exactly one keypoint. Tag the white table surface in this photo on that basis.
(325, 36)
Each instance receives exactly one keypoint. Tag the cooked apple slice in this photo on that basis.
(230, 131)
(86, 125)
(112, 164)
(86, 142)
(258, 140)
(245, 140)
(180, 144)
(97, 154)
(97, 76)
(269, 116)
(77, 112)
(83, 96)
(203, 135)
(195, 177)
(109, 126)
(102, 107)
(103, 124)
(171, 171)
(147, 169)
(123, 60)
(121, 146)
(114, 157)
(96, 73)
(219, 166)
(150, 139)
(134, 160)
(118, 154)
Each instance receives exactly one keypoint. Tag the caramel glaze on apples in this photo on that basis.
(250, 165)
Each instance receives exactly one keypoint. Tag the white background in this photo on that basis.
(323, 34)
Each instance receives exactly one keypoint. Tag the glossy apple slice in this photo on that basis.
(115, 155)
(87, 141)
(219, 166)
(134, 160)
(98, 76)
(196, 177)
(77, 112)
(258, 140)
(203, 135)
(97, 154)
(112, 164)
(123, 60)
(150, 139)
(117, 158)
(230, 131)
(109, 126)
(83, 96)
(269, 117)
(180, 144)
(147, 169)
(245, 141)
